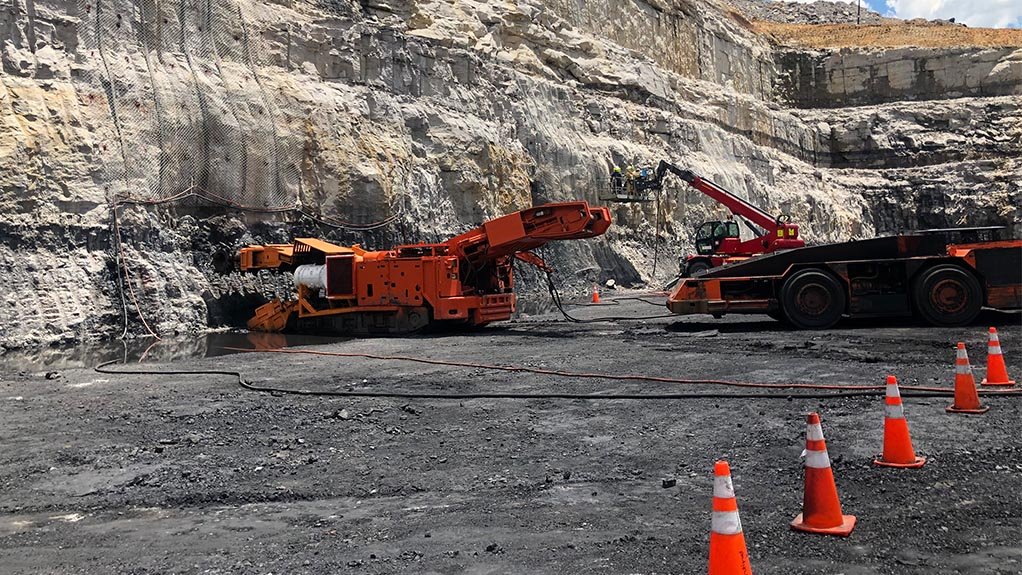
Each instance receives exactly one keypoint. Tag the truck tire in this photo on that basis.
(812, 299)
(947, 295)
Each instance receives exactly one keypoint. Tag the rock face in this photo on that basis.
(841, 78)
(132, 131)
(820, 12)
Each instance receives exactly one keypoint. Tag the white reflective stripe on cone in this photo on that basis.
(994, 338)
(892, 391)
(963, 369)
(962, 354)
(723, 487)
(994, 350)
(814, 432)
(894, 411)
(817, 459)
(725, 523)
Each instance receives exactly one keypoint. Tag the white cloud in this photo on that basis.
(984, 13)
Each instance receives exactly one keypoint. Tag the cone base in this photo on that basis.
(986, 383)
(914, 465)
(843, 530)
(953, 409)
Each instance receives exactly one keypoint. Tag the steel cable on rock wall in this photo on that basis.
(101, 24)
(201, 32)
(172, 145)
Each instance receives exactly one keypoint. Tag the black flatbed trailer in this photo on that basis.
(942, 276)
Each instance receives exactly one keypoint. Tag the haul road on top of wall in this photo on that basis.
(942, 276)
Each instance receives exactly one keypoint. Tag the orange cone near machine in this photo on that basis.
(997, 372)
(966, 396)
(728, 554)
(898, 450)
(596, 294)
(821, 509)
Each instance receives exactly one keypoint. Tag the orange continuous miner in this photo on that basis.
(467, 279)
(944, 277)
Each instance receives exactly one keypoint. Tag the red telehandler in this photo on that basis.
(719, 242)
(465, 280)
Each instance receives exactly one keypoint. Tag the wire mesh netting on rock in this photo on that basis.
(189, 107)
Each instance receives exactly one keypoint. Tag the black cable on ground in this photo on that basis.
(615, 300)
(102, 368)
(559, 304)
(618, 300)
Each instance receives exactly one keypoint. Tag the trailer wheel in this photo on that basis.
(812, 299)
(947, 295)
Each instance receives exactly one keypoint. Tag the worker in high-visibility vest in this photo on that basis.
(630, 174)
(617, 179)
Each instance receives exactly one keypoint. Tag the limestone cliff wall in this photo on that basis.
(855, 77)
(392, 121)
(683, 37)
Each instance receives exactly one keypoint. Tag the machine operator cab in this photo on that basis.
(712, 236)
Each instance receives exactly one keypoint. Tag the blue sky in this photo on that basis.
(877, 6)
(975, 13)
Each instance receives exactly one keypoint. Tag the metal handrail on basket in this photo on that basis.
(609, 191)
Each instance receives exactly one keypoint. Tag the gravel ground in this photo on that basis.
(193, 474)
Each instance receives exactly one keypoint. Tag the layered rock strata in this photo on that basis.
(382, 122)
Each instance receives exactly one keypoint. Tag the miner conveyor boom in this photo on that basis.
(466, 280)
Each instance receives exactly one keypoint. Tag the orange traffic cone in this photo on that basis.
(897, 443)
(728, 555)
(966, 397)
(596, 294)
(821, 509)
(997, 372)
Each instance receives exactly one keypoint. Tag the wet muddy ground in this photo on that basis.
(194, 474)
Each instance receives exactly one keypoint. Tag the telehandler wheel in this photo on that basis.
(697, 267)
(813, 299)
(947, 295)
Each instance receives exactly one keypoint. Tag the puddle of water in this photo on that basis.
(87, 355)
(90, 354)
